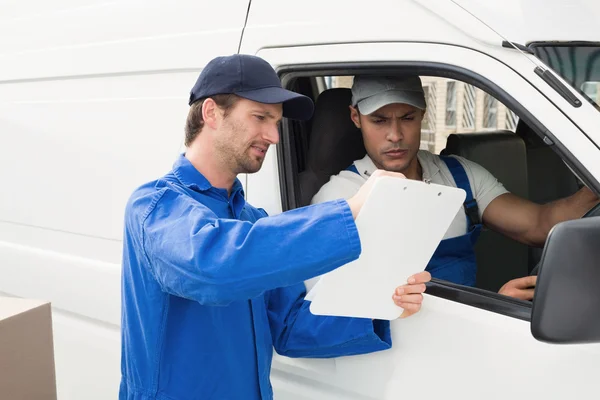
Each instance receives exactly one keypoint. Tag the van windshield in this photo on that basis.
(577, 63)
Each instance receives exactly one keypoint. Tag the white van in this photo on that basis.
(93, 99)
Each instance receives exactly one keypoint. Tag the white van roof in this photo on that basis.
(469, 23)
(526, 21)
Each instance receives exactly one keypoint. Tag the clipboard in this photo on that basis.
(400, 225)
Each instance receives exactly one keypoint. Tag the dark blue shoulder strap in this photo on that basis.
(353, 169)
(462, 181)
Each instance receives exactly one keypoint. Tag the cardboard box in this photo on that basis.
(26, 350)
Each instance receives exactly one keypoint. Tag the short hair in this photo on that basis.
(195, 122)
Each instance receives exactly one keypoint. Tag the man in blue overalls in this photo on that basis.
(211, 284)
(389, 112)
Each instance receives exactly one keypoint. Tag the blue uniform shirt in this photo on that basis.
(209, 287)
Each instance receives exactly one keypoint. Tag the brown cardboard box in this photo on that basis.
(26, 350)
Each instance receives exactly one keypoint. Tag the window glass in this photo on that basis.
(490, 112)
(457, 107)
(591, 90)
(451, 104)
(578, 64)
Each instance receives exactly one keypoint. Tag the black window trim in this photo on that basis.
(480, 298)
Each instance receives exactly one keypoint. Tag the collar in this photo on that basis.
(191, 178)
(188, 175)
(428, 165)
(366, 167)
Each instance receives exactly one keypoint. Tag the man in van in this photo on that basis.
(389, 112)
(211, 284)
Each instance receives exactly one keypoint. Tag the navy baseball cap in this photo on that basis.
(252, 78)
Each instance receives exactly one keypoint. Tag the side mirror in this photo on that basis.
(566, 305)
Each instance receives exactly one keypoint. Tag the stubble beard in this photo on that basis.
(235, 155)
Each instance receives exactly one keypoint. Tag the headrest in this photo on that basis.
(502, 153)
(335, 142)
(493, 143)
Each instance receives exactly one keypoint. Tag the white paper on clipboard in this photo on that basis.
(400, 225)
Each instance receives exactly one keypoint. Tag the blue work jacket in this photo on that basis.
(210, 287)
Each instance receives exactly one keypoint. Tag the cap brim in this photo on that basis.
(374, 103)
(295, 105)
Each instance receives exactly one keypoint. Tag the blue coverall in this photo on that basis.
(209, 287)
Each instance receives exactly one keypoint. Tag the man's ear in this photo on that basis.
(354, 116)
(210, 113)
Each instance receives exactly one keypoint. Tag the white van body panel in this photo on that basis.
(93, 100)
(448, 350)
(70, 38)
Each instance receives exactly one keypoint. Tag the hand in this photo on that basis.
(410, 296)
(521, 288)
(358, 200)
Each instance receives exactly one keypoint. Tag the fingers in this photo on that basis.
(421, 277)
(526, 294)
(524, 289)
(407, 299)
(382, 172)
(528, 281)
(521, 283)
(522, 294)
(408, 289)
(416, 284)
(521, 288)
(410, 296)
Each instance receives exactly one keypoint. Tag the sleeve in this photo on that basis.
(485, 185)
(193, 254)
(342, 186)
(339, 187)
(296, 332)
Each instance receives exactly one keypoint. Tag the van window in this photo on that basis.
(578, 64)
(478, 120)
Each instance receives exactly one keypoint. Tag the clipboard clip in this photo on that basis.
(426, 180)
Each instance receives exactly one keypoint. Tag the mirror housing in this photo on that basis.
(566, 305)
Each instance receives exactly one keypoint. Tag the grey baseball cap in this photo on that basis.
(370, 93)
